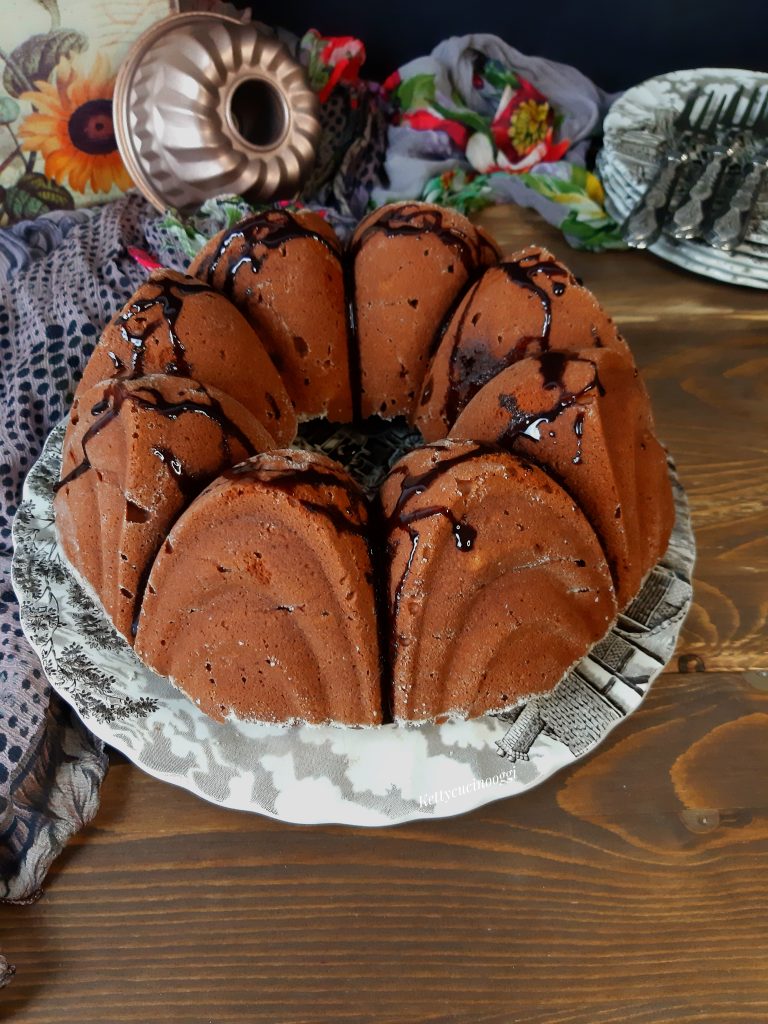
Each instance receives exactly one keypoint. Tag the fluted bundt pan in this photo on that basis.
(205, 105)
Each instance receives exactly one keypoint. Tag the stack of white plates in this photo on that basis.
(636, 126)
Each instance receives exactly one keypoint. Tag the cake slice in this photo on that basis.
(136, 452)
(283, 270)
(497, 583)
(261, 602)
(528, 304)
(587, 418)
(409, 263)
(176, 325)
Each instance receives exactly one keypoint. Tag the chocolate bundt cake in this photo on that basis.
(527, 304)
(284, 272)
(497, 583)
(261, 601)
(261, 579)
(175, 324)
(409, 262)
(586, 417)
(136, 452)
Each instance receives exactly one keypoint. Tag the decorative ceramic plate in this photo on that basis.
(313, 774)
(635, 127)
(740, 267)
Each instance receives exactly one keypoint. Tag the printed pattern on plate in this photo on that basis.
(314, 774)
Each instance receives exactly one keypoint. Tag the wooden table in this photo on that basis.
(631, 888)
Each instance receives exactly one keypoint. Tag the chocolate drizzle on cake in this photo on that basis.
(120, 391)
(353, 345)
(169, 300)
(522, 273)
(401, 518)
(291, 477)
(117, 392)
(416, 221)
(272, 229)
(578, 429)
(527, 424)
(470, 368)
(188, 484)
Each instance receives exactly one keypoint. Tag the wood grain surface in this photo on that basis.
(630, 889)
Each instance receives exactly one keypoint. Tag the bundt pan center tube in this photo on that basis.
(458, 578)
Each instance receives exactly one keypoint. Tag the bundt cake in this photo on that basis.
(176, 324)
(527, 304)
(268, 576)
(136, 452)
(284, 272)
(586, 417)
(260, 578)
(496, 581)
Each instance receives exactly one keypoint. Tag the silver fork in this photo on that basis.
(643, 225)
(688, 219)
(730, 228)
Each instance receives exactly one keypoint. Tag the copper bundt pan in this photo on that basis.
(206, 105)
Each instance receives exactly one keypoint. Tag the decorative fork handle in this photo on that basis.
(643, 226)
(729, 229)
(689, 217)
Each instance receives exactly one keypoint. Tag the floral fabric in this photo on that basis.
(353, 116)
(58, 63)
(478, 122)
(566, 194)
(331, 60)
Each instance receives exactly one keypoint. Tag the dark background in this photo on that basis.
(615, 43)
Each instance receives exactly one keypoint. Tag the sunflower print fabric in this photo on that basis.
(58, 148)
(72, 129)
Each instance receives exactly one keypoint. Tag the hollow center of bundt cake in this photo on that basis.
(367, 450)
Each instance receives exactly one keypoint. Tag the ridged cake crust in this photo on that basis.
(284, 271)
(135, 454)
(262, 601)
(587, 418)
(497, 583)
(250, 573)
(409, 263)
(527, 304)
(175, 324)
